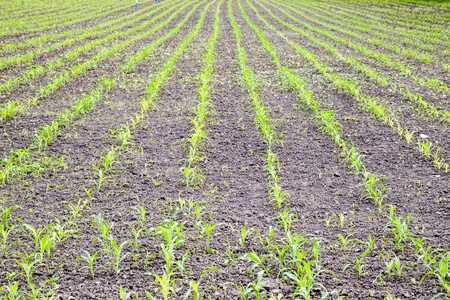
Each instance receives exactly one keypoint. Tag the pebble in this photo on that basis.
(423, 136)
(269, 283)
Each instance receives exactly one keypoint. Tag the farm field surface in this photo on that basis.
(224, 149)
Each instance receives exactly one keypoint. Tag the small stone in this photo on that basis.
(269, 283)
(423, 136)
(277, 291)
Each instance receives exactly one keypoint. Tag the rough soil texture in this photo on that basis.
(325, 199)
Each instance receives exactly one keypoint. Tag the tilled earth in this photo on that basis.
(145, 189)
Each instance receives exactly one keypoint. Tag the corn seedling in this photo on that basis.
(37, 233)
(12, 291)
(441, 270)
(116, 252)
(100, 181)
(244, 233)
(5, 215)
(90, 260)
(371, 243)
(358, 265)
(172, 233)
(104, 227)
(36, 294)
(208, 229)
(194, 285)
(346, 242)
(286, 218)
(258, 261)
(136, 233)
(141, 211)
(124, 295)
(29, 263)
(4, 235)
(267, 241)
(399, 228)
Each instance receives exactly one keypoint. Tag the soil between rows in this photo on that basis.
(235, 188)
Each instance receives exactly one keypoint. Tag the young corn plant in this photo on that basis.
(105, 229)
(37, 293)
(244, 234)
(441, 270)
(29, 263)
(135, 244)
(172, 233)
(286, 218)
(258, 261)
(373, 187)
(5, 215)
(359, 266)
(115, 251)
(90, 261)
(108, 160)
(399, 227)
(194, 285)
(252, 289)
(4, 234)
(12, 291)
(208, 230)
(346, 242)
(37, 234)
(167, 284)
(124, 295)
(100, 181)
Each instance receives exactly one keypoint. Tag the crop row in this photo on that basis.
(371, 184)
(408, 37)
(422, 57)
(439, 113)
(47, 237)
(371, 105)
(38, 13)
(403, 29)
(12, 10)
(15, 166)
(79, 34)
(163, 250)
(10, 27)
(404, 20)
(386, 59)
(11, 108)
(192, 172)
(37, 70)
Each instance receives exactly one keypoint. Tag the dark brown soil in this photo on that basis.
(234, 190)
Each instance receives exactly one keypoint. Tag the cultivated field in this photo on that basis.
(227, 149)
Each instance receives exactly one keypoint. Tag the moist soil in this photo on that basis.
(233, 192)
